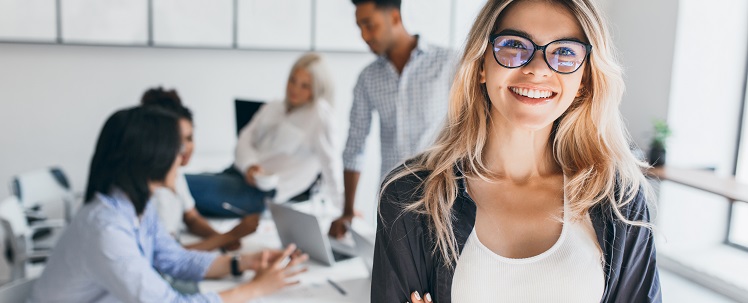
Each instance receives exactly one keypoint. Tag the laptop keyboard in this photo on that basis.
(338, 256)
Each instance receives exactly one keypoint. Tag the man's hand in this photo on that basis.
(249, 175)
(339, 227)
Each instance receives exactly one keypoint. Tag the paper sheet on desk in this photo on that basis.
(357, 290)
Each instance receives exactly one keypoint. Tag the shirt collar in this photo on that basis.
(119, 200)
(422, 46)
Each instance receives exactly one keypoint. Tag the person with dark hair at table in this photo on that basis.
(115, 249)
(175, 205)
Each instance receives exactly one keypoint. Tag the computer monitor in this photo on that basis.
(245, 110)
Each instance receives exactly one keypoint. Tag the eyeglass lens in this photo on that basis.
(563, 56)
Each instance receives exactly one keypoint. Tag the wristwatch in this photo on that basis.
(235, 269)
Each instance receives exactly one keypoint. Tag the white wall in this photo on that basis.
(708, 79)
(644, 32)
(54, 100)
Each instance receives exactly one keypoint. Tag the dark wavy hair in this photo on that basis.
(381, 3)
(136, 145)
(166, 99)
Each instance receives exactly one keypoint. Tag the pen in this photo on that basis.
(233, 209)
(337, 287)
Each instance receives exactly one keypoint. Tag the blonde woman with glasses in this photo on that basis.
(530, 193)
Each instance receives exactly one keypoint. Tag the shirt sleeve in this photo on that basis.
(639, 279)
(399, 268)
(115, 261)
(245, 154)
(329, 156)
(360, 126)
(172, 259)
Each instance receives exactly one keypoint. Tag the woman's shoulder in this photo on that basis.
(401, 190)
(101, 213)
(403, 186)
(636, 207)
(323, 109)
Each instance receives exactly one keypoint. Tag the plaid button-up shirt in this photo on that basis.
(412, 106)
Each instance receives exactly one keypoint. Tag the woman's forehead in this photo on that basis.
(541, 21)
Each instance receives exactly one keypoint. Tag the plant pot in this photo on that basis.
(657, 156)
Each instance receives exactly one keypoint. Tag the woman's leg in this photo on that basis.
(211, 191)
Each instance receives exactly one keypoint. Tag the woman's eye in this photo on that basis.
(564, 51)
(513, 44)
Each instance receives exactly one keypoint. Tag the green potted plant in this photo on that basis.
(657, 149)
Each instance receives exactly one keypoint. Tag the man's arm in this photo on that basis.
(340, 226)
(358, 130)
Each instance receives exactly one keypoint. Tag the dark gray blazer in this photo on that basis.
(403, 259)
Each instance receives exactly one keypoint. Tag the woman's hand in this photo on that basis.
(415, 297)
(272, 274)
(249, 175)
(253, 261)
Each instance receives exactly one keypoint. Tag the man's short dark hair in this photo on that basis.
(166, 99)
(136, 145)
(381, 3)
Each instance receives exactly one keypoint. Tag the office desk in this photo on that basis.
(350, 274)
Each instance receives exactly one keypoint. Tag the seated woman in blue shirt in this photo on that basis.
(115, 249)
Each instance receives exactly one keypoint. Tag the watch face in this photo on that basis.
(235, 271)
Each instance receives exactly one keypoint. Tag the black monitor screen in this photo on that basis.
(245, 110)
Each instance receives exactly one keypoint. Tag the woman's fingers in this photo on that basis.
(415, 297)
(296, 272)
(297, 260)
(264, 259)
(286, 253)
(292, 283)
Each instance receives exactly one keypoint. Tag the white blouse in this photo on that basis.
(171, 205)
(297, 146)
(570, 271)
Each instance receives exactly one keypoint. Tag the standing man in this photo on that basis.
(408, 85)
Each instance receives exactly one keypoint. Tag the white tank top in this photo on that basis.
(570, 271)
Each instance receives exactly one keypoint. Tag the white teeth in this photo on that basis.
(532, 93)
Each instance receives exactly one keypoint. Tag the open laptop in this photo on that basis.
(305, 231)
(364, 249)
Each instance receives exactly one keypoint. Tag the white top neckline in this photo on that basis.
(535, 258)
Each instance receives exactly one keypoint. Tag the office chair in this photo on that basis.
(38, 188)
(244, 111)
(17, 291)
(17, 238)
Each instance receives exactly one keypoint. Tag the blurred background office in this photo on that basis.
(66, 64)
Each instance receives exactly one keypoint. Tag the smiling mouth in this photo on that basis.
(533, 93)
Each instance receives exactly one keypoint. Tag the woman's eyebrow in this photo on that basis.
(521, 33)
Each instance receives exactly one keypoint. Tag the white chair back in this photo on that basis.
(17, 291)
(47, 186)
(12, 211)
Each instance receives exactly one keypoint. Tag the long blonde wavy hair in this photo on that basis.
(589, 141)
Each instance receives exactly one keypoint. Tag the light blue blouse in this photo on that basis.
(107, 254)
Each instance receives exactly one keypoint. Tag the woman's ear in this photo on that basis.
(482, 72)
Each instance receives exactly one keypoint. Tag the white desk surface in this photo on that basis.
(350, 274)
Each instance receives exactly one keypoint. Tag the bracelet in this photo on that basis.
(235, 269)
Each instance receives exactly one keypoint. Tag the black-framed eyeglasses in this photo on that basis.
(562, 56)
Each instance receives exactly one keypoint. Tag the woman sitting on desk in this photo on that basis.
(116, 248)
(291, 141)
